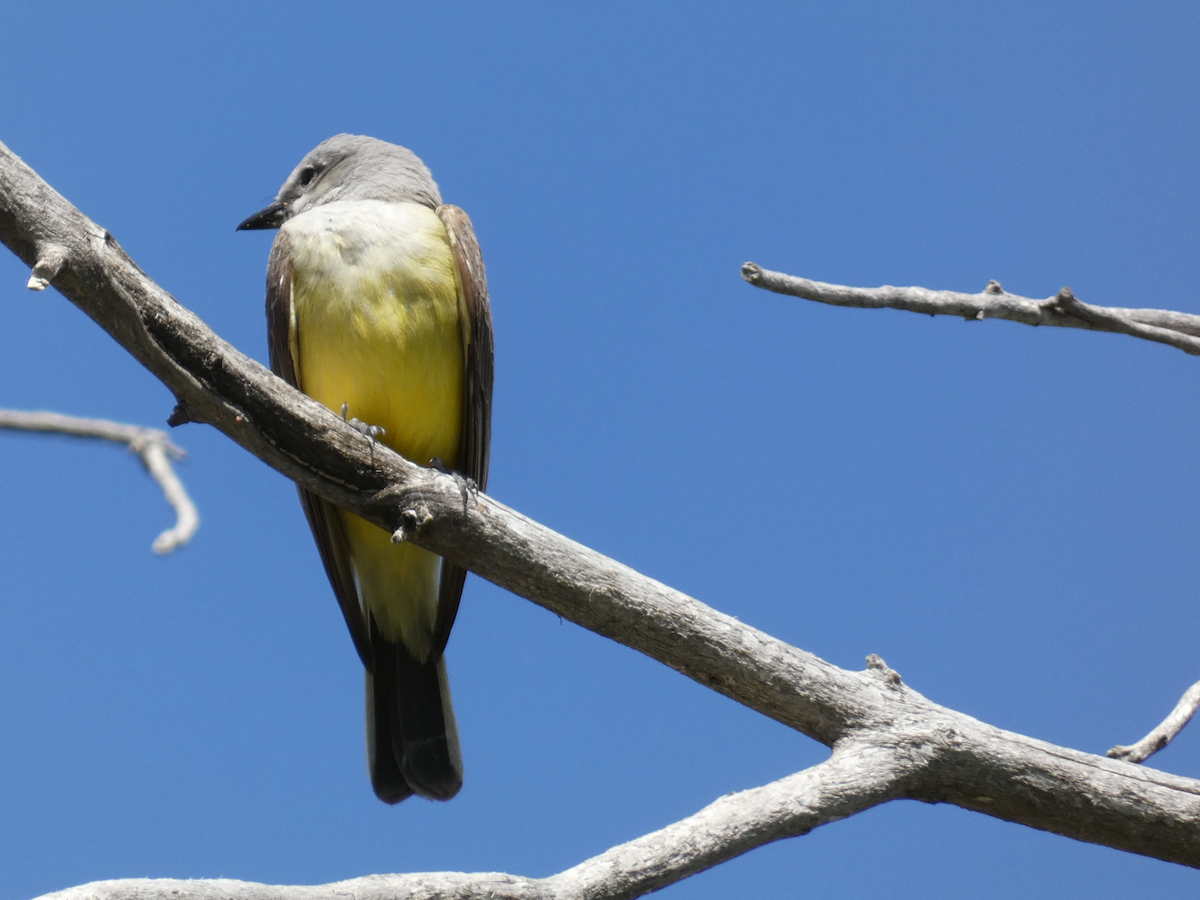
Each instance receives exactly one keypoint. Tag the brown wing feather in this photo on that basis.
(477, 396)
(322, 516)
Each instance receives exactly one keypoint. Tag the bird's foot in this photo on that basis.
(371, 432)
(466, 486)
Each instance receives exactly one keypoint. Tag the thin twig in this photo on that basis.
(1165, 732)
(152, 446)
(1063, 310)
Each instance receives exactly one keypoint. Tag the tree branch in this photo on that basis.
(1063, 310)
(152, 446)
(854, 778)
(1165, 732)
(940, 755)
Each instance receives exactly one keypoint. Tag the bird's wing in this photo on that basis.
(322, 515)
(477, 394)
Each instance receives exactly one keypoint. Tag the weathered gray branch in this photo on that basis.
(1165, 732)
(903, 745)
(854, 778)
(152, 446)
(1063, 310)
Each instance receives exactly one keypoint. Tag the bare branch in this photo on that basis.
(1165, 732)
(152, 446)
(1062, 310)
(946, 757)
(856, 777)
(853, 779)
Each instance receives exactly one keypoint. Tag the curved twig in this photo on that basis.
(152, 446)
(1165, 732)
(1063, 310)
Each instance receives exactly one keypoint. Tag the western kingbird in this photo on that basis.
(377, 306)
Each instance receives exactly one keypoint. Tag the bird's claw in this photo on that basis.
(466, 486)
(370, 432)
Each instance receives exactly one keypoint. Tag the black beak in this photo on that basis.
(271, 217)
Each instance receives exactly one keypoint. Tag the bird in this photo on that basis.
(377, 307)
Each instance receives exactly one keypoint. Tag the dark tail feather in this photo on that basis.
(389, 783)
(412, 738)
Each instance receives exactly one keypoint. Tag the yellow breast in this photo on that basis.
(377, 321)
(377, 325)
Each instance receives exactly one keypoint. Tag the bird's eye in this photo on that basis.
(307, 174)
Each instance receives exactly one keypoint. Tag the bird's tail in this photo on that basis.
(412, 738)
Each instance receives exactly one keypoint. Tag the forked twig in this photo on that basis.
(152, 446)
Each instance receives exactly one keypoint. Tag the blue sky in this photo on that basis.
(1007, 515)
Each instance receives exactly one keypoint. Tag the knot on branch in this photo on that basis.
(412, 520)
(1065, 302)
(1139, 752)
(52, 259)
(752, 272)
(993, 287)
(180, 415)
(948, 738)
(881, 670)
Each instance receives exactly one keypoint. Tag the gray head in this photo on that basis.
(349, 167)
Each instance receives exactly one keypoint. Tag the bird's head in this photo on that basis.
(349, 167)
